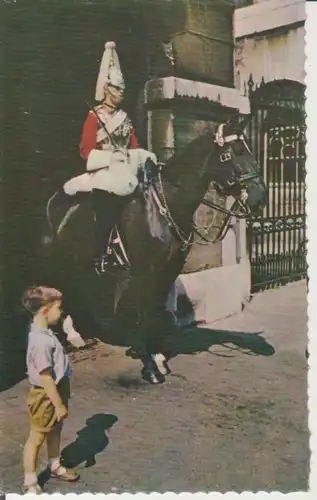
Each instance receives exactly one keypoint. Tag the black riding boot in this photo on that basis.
(106, 208)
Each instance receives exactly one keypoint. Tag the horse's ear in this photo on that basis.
(243, 122)
(237, 124)
(232, 123)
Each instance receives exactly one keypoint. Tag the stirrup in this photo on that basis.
(101, 264)
(106, 263)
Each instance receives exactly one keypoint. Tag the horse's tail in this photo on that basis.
(59, 209)
(49, 238)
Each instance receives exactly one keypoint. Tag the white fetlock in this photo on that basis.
(73, 337)
(160, 360)
(76, 340)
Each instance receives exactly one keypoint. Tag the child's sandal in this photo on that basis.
(34, 489)
(64, 474)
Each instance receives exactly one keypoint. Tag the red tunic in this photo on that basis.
(89, 137)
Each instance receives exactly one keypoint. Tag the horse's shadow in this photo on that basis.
(91, 440)
(193, 339)
(190, 339)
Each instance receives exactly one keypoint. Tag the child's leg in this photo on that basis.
(53, 442)
(30, 456)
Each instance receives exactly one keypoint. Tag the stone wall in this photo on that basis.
(191, 39)
(270, 42)
(180, 110)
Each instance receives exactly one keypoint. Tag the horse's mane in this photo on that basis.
(157, 225)
(182, 154)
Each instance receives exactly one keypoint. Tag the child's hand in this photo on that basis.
(61, 412)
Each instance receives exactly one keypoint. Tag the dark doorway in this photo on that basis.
(52, 53)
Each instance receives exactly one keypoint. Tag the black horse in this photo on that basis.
(157, 231)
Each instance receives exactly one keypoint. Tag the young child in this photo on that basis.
(48, 371)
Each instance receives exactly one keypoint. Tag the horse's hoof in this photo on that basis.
(165, 369)
(153, 377)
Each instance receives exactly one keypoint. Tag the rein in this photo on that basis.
(239, 208)
(165, 212)
(186, 240)
(230, 213)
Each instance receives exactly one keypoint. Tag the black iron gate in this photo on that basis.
(276, 238)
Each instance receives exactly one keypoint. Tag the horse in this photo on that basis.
(157, 230)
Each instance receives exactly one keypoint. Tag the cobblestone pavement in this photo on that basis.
(231, 416)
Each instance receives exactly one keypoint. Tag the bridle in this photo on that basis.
(239, 208)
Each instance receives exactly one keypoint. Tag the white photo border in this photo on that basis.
(311, 208)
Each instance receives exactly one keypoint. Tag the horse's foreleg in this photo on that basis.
(148, 293)
(154, 330)
(151, 372)
(161, 363)
(153, 361)
(166, 318)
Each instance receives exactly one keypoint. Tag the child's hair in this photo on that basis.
(36, 297)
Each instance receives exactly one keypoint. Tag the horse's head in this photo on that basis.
(235, 171)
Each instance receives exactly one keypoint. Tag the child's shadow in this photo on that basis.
(92, 439)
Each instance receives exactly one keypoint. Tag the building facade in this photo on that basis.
(269, 41)
(270, 70)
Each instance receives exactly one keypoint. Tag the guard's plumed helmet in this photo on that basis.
(109, 72)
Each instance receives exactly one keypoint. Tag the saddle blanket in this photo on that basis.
(111, 171)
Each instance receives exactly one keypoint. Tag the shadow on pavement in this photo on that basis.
(92, 439)
(187, 340)
(192, 340)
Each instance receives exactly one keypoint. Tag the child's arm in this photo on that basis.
(52, 392)
(41, 354)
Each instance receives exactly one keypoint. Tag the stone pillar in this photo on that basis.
(191, 89)
(178, 111)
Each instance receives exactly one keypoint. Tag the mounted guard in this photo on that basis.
(114, 160)
(157, 229)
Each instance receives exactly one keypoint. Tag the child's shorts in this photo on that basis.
(41, 410)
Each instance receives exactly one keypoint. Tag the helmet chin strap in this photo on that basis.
(111, 106)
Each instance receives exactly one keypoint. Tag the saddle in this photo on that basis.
(146, 176)
(60, 211)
